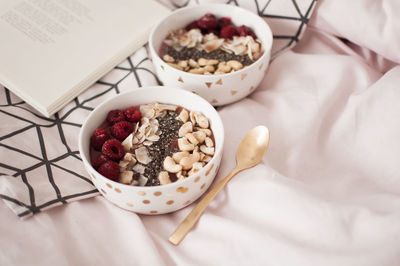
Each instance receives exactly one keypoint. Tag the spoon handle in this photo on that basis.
(191, 219)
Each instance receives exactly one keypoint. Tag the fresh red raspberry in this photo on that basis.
(229, 31)
(208, 21)
(225, 21)
(113, 149)
(121, 130)
(109, 169)
(98, 138)
(245, 31)
(133, 114)
(99, 160)
(192, 25)
(115, 116)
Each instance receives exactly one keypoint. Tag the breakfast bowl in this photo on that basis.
(218, 88)
(167, 196)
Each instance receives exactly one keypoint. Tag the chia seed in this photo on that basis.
(195, 54)
(165, 146)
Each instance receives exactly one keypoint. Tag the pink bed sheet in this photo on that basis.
(326, 193)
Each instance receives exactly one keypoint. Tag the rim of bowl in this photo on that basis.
(85, 160)
(184, 9)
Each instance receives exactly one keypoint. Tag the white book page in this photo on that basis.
(51, 50)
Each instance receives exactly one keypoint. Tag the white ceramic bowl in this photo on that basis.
(156, 199)
(217, 89)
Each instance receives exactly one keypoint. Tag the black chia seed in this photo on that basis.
(195, 54)
(165, 146)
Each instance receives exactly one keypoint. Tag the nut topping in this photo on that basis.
(171, 166)
(126, 177)
(152, 158)
(185, 128)
(199, 53)
(207, 150)
(142, 155)
(185, 145)
(163, 177)
(187, 162)
(177, 156)
(183, 116)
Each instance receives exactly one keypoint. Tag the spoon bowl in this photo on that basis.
(250, 152)
(252, 148)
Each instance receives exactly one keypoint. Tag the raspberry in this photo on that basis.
(245, 31)
(133, 114)
(98, 138)
(121, 130)
(115, 116)
(113, 149)
(192, 25)
(229, 31)
(99, 160)
(225, 21)
(109, 169)
(208, 21)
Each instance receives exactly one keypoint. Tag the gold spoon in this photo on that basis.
(250, 152)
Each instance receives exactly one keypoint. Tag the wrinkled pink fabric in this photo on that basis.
(326, 193)
(373, 24)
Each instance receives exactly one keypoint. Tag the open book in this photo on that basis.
(51, 50)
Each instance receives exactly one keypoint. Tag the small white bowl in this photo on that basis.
(217, 89)
(155, 199)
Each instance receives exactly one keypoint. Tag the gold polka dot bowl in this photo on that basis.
(218, 89)
(153, 199)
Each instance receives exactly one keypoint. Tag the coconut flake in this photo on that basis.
(142, 155)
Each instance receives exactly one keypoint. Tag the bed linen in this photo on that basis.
(326, 193)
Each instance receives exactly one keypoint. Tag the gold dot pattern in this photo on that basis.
(148, 201)
(182, 189)
(221, 81)
(216, 170)
(209, 170)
